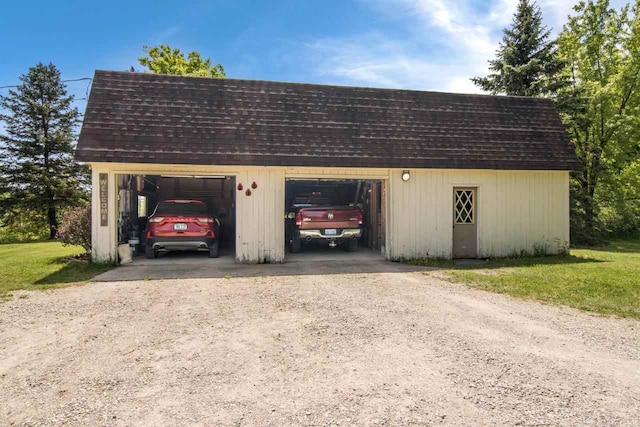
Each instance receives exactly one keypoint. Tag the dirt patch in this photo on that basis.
(385, 348)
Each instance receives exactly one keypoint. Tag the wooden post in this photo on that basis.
(374, 204)
(383, 213)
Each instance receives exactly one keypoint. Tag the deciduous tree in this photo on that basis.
(601, 105)
(164, 59)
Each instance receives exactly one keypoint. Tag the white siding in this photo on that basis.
(336, 173)
(518, 211)
(103, 239)
(260, 217)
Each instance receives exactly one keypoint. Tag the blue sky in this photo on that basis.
(414, 44)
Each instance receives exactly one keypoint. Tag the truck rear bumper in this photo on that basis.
(346, 233)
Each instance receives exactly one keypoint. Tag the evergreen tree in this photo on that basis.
(37, 170)
(526, 63)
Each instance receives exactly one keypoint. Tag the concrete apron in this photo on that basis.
(190, 265)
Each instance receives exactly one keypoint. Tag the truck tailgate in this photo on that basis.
(330, 217)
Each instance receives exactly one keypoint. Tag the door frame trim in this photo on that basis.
(477, 221)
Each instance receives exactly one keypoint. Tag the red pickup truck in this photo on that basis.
(311, 221)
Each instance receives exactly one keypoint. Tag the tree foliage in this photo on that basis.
(526, 63)
(600, 108)
(164, 59)
(37, 172)
(592, 72)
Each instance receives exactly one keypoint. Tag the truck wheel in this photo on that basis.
(295, 246)
(214, 250)
(352, 245)
(150, 252)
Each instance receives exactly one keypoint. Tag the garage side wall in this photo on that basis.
(260, 216)
(103, 237)
(519, 212)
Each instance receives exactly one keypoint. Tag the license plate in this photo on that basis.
(180, 226)
(330, 231)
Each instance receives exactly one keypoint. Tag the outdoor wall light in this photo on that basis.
(406, 176)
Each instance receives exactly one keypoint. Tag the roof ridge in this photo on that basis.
(461, 94)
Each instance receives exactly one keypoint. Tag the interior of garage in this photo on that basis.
(139, 195)
(367, 195)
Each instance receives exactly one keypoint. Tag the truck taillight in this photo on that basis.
(299, 218)
(359, 218)
(156, 219)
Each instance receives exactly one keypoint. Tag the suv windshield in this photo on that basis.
(181, 208)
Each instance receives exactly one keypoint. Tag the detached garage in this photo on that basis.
(434, 174)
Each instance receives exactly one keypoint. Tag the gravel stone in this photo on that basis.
(395, 348)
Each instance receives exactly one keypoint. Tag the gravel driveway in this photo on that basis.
(396, 348)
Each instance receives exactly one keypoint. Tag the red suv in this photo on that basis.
(182, 225)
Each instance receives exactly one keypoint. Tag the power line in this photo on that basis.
(86, 92)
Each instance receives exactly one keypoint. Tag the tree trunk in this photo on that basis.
(53, 223)
(590, 206)
(588, 217)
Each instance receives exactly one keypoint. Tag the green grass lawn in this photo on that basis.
(604, 280)
(39, 265)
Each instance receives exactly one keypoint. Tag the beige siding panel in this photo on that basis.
(519, 212)
(260, 216)
(103, 239)
(343, 173)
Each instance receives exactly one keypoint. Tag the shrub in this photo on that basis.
(24, 226)
(75, 227)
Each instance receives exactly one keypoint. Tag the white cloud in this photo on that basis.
(447, 43)
(371, 60)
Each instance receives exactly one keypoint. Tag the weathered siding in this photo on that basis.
(336, 173)
(104, 240)
(259, 217)
(518, 212)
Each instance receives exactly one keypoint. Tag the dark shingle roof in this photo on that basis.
(149, 118)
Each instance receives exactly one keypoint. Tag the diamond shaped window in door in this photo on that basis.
(464, 207)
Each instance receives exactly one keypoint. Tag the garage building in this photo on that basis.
(438, 175)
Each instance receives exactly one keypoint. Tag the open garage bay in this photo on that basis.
(320, 214)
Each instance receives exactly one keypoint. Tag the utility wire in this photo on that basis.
(86, 93)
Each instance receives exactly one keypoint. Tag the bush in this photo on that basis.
(23, 226)
(26, 231)
(75, 227)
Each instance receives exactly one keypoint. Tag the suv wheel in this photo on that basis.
(214, 251)
(150, 252)
(296, 246)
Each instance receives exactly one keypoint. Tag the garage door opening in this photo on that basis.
(176, 216)
(328, 216)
